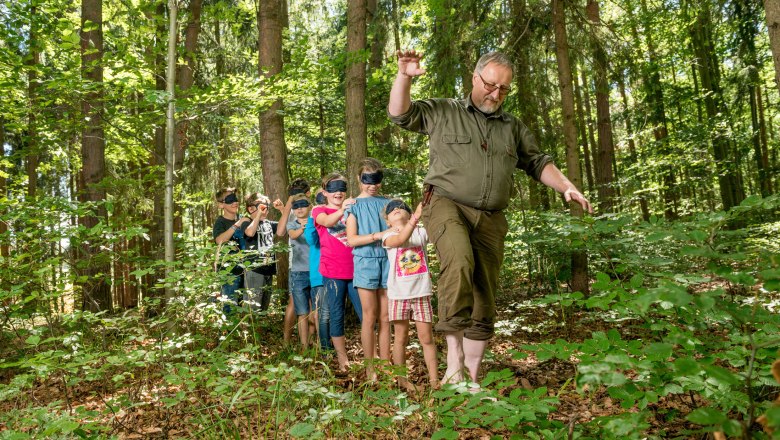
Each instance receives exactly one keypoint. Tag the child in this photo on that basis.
(300, 285)
(336, 260)
(229, 228)
(315, 278)
(365, 225)
(259, 235)
(298, 186)
(409, 284)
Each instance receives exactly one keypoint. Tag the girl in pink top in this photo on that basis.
(336, 264)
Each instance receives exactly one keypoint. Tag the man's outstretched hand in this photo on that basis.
(409, 63)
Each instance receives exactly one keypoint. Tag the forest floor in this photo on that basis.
(523, 323)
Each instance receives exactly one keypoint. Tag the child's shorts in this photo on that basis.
(301, 291)
(418, 309)
(371, 272)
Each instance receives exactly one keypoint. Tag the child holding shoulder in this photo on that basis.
(365, 225)
(300, 285)
(336, 260)
(298, 186)
(409, 284)
(315, 277)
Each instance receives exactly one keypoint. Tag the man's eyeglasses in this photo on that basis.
(491, 87)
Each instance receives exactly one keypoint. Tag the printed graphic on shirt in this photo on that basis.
(265, 237)
(339, 232)
(410, 261)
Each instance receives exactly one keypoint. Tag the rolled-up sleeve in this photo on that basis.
(529, 158)
(419, 118)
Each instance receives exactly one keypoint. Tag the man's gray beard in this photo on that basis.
(483, 109)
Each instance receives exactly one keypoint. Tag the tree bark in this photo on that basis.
(32, 154)
(605, 180)
(582, 128)
(579, 258)
(4, 246)
(273, 150)
(731, 192)
(170, 142)
(654, 103)
(96, 289)
(357, 148)
(185, 80)
(772, 8)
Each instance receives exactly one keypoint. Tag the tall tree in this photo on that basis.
(96, 289)
(32, 142)
(271, 19)
(605, 152)
(772, 9)
(579, 258)
(4, 246)
(747, 21)
(731, 191)
(185, 80)
(170, 140)
(357, 147)
(654, 104)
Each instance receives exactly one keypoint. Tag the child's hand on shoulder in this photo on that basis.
(349, 202)
(418, 211)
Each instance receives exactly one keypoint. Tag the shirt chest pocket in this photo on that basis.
(454, 149)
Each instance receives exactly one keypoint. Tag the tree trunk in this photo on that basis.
(273, 151)
(747, 26)
(170, 142)
(605, 180)
(763, 143)
(579, 258)
(224, 149)
(631, 143)
(772, 8)
(186, 77)
(357, 148)
(589, 143)
(4, 244)
(654, 103)
(709, 74)
(96, 289)
(582, 129)
(32, 153)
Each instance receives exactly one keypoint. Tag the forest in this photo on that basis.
(655, 317)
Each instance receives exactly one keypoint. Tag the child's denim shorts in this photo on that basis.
(371, 272)
(301, 291)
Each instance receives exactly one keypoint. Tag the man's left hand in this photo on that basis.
(572, 194)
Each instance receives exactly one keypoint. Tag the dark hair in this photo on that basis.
(224, 192)
(302, 185)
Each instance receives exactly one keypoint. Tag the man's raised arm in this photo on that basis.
(400, 94)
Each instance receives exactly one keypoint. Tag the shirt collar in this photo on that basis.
(500, 113)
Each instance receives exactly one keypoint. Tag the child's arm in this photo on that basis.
(259, 215)
(228, 234)
(295, 233)
(356, 240)
(281, 229)
(331, 219)
(405, 232)
(310, 233)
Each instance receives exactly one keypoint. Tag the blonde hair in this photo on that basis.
(370, 165)
(331, 177)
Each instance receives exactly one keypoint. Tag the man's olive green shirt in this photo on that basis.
(459, 167)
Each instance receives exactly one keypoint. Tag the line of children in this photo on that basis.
(369, 249)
